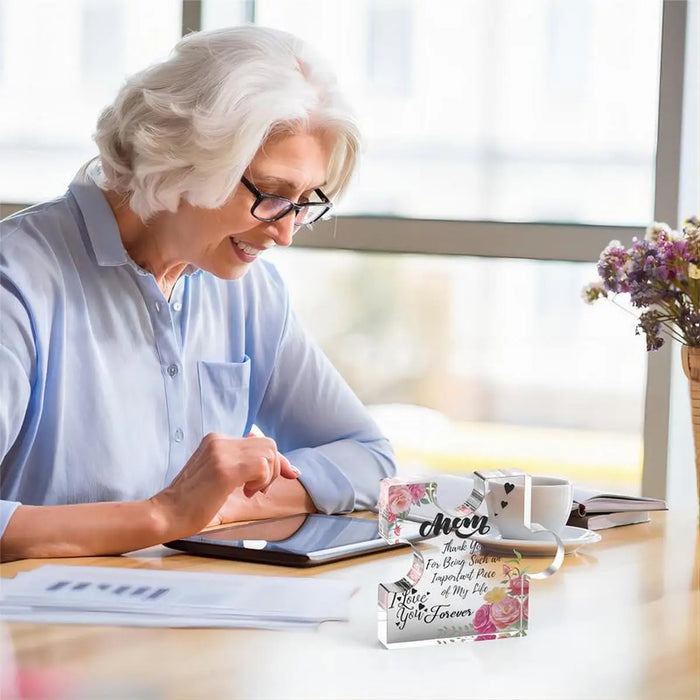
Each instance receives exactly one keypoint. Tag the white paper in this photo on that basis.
(120, 619)
(170, 598)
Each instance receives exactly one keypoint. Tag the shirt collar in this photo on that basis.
(99, 220)
(100, 223)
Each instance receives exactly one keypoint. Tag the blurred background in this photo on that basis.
(534, 119)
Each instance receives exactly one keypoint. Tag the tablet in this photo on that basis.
(295, 540)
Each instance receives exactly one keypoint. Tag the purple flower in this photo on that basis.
(689, 322)
(652, 272)
(644, 293)
(675, 253)
(650, 324)
(653, 231)
(661, 274)
(611, 267)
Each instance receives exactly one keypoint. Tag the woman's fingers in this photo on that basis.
(278, 465)
(275, 472)
(287, 470)
(253, 463)
(261, 465)
(255, 475)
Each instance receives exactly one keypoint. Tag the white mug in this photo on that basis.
(551, 501)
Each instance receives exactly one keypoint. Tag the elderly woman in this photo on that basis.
(141, 337)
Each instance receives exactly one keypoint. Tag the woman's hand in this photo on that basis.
(219, 466)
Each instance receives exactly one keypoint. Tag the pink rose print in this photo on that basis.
(400, 499)
(519, 585)
(505, 612)
(482, 620)
(506, 569)
(484, 637)
(526, 608)
(417, 491)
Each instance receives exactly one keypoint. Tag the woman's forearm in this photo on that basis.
(218, 467)
(284, 497)
(89, 529)
(94, 529)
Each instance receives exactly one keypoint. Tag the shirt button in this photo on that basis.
(172, 370)
(157, 306)
(177, 306)
(178, 435)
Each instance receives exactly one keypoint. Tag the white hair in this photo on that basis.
(187, 128)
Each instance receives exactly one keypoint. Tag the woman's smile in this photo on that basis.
(244, 251)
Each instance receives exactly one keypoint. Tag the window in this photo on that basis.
(389, 49)
(474, 363)
(529, 113)
(62, 62)
(530, 133)
(537, 111)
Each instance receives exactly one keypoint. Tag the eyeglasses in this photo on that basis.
(271, 207)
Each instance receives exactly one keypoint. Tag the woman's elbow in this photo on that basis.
(385, 456)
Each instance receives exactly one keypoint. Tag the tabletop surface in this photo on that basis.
(621, 619)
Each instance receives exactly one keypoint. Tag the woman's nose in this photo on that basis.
(284, 230)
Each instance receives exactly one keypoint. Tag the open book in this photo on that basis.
(602, 521)
(588, 502)
(598, 511)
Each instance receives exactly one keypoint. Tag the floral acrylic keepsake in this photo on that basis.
(454, 590)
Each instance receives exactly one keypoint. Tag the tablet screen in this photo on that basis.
(296, 539)
(301, 534)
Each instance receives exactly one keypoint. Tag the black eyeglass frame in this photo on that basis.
(293, 206)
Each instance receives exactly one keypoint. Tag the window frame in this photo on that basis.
(564, 242)
(532, 240)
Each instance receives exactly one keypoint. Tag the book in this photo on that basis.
(589, 502)
(603, 521)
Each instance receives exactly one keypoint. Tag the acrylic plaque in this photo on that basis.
(455, 590)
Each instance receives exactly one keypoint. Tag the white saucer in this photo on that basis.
(544, 545)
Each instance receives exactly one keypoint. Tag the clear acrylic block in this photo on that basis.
(454, 591)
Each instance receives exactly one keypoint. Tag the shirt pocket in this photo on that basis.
(223, 391)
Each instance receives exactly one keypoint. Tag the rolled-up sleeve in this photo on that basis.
(16, 366)
(322, 427)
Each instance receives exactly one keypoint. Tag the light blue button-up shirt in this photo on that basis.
(107, 388)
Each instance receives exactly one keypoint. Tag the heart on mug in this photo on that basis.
(421, 606)
(508, 487)
(504, 504)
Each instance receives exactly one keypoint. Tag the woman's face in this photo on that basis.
(226, 241)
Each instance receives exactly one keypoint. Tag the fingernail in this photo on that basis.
(295, 470)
